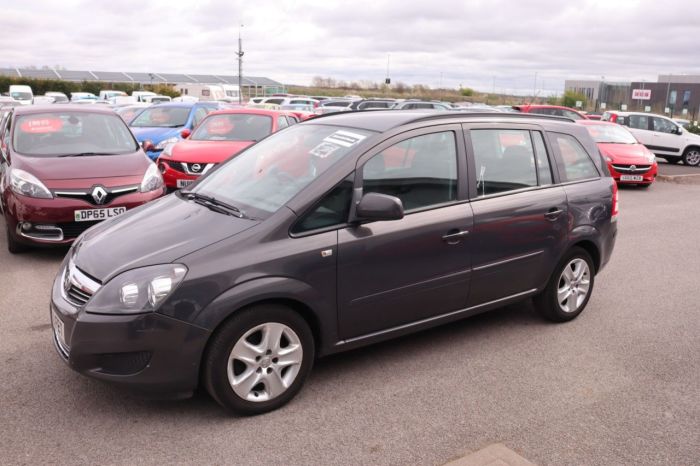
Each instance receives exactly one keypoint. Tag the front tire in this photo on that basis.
(569, 288)
(259, 359)
(691, 157)
(13, 246)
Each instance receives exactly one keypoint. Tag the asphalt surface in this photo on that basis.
(619, 385)
(666, 168)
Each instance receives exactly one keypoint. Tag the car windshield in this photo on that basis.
(267, 175)
(162, 117)
(233, 127)
(21, 95)
(69, 133)
(611, 134)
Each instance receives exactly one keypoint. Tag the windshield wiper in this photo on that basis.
(213, 203)
(88, 154)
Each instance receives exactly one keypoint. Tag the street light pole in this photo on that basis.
(240, 67)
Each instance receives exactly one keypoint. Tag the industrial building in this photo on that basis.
(675, 95)
(251, 85)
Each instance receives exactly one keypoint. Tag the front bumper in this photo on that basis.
(56, 217)
(150, 353)
(171, 176)
(648, 176)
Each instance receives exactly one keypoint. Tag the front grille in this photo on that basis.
(78, 296)
(86, 195)
(637, 170)
(75, 229)
(77, 286)
(177, 166)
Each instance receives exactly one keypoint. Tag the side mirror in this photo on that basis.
(148, 146)
(678, 130)
(185, 133)
(375, 206)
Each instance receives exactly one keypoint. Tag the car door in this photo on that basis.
(520, 214)
(394, 273)
(639, 126)
(665, 136)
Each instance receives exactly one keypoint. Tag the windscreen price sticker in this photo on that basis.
(344, 138)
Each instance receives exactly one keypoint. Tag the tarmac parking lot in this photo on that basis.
(618, 385)
(672, 169)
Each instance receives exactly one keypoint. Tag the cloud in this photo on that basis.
(470, 43)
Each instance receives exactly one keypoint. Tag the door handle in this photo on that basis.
(553, 213)
(454, 236)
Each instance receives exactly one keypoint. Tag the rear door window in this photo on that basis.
(504, 160)
(575, 164)
(638, 121)
(281, 122)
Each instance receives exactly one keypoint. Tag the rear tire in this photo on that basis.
(569, 288)
(259, 359)
(691, 157)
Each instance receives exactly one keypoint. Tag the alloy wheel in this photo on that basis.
(574, 285)
(692, 157)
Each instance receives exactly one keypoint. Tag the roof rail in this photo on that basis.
(525, 116)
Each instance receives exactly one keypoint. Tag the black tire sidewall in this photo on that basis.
(549, 305)
(216, 358)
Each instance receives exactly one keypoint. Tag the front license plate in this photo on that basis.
(90, 215)
(184, 183)
(59, 330)
(631, 178)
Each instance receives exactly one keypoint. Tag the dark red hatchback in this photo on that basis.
(65, 168)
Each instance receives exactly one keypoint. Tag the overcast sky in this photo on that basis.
(472, 43)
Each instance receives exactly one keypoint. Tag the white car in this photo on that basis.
(661, 135)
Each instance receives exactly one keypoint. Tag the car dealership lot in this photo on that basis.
(617, 385)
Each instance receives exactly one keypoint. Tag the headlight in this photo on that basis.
(152, 179)
(651, 157)
(137, 291)
(168, 150)
(161, 145)
(27, 184)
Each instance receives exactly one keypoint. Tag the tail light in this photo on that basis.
(615, 204)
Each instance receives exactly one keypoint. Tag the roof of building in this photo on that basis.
(135, 77)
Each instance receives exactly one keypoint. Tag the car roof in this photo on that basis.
(57, 108)
(384, 120)
(595, 123)
(250, 111)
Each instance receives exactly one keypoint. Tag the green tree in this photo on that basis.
(467, 92)
(570, 98)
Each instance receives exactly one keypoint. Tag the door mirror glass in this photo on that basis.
(148, 146)
(375, 206)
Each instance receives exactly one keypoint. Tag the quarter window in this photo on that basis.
(332, 210)
(577, 165)
(421, 171)
(504, 160)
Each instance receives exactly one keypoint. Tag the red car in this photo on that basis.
(629, 161)
(221, 135)
(65, 168)
(555, 110)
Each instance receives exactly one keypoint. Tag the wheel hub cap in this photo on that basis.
(574, 285)
(264, 362)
